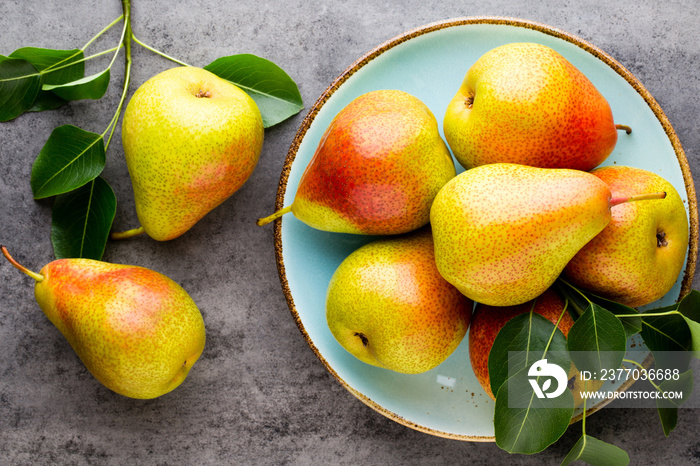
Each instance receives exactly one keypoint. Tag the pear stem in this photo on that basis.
(275, 216)
(127, 234)
(624, 128)
(640, 197)
(36, 276)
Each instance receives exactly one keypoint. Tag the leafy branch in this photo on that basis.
(596, 341)
(69, 165)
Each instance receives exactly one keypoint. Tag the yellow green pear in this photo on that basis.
(525, 103)
(136, 330)
(376, 170)
(388, 306)
(504, 232)
(191, 139)
(637, 258)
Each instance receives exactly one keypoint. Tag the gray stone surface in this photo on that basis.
(259, 395)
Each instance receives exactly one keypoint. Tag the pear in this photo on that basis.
(487, 321)
(525, 103)
(376, 170)
(137, 331)
(638, 256)
(504, 232)
(191, 139)
(388, 306)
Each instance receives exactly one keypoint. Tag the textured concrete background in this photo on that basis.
(259, 395)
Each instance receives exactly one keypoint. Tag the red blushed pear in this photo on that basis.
(137, 331)
(504, 232)
(376, 170)
(525, 103)
(638, 256)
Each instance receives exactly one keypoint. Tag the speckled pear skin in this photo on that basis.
(377, 168)
(137, 331)
(187, 154)
(637, 258)
(504, 232)
(389, 307)
(525, 103)
(487, 321)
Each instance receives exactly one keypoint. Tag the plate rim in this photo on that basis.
(689, 272)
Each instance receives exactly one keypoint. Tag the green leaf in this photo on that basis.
(597, 341)
(46, 100)
(689, 307)
(19, 85)
(524, 423)
(45, 58)
(275, 93)
(70, 158)
(57, 60)
(668, 418)
(523, 340)
(42, 59)
(82, 219)
(89, 87)
(631, 325)
(596, 453)
(669, 339)
(695, 336)
(668, 408)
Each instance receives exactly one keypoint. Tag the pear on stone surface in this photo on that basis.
(638, 256)
(191, 139)
(376, 170)
(388, 306)
(487, 321)
(525, 103)
(136, 330)
(504, 232)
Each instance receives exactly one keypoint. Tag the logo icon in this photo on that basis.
(549, 371)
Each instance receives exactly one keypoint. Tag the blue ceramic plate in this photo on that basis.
(430, 63)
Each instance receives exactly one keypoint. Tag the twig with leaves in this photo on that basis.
(69, 165)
